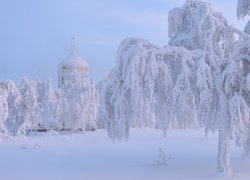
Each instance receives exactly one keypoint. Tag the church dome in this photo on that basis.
(73, 62)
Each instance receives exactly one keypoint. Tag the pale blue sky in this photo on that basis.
(35, 35)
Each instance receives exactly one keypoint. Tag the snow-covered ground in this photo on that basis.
(94, 156)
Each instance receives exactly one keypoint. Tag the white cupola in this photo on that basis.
(72, 63)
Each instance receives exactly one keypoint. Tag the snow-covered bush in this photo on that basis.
(163, 159)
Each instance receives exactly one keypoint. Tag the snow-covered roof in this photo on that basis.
(74, 61)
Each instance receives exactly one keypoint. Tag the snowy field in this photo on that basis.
(93, 156)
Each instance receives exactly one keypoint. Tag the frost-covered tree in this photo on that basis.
(225, 85)
(150, 86)
(183, 84)
(243, 8)
(49, 107)
(100, 120)
(183, 99)
(127, 93)
(238, 90)
(3, 109)
(14, 98)
(28, 106)
(34, 104)
(197, 26)
(82, 102)
(206, 96)
(162, 96)
(62, 109)
(108, 95)
(135, 76)
(50, 119)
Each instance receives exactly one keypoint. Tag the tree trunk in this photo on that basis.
(224, 150)
(247, 145)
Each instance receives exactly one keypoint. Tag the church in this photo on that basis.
(51, 99)
(72, 63)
